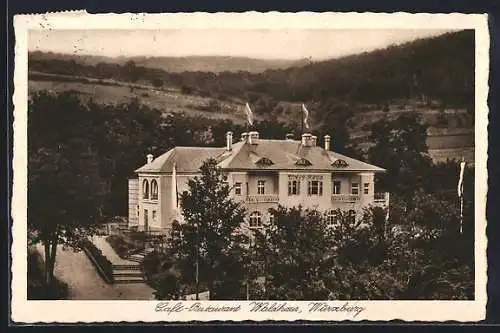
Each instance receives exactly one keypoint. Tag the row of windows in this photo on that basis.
(314, 187)
(332, 218)
(146, 193)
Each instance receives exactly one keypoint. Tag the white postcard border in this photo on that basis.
(130, 311)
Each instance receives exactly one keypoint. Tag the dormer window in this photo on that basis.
(264, 161)
(303, 162)
(340, 164)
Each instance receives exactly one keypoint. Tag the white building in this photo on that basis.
(263, 173)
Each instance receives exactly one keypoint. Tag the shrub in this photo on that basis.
(121, 247)
(104, 266)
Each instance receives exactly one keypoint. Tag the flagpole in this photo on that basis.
(461, 213)
(197, 260)
(461, 193)
(301, 122)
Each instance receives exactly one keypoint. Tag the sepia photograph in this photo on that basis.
(184, 166)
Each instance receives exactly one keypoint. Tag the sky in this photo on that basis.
(263, 44)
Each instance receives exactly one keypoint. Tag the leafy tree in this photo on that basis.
(336, 116)
(291, 253)
(131, 71)
(401, 148)
(157, 83)
(212, 227)
(65, 189)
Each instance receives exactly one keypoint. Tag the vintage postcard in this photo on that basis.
(249, 166)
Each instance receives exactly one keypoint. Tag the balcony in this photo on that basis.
(345, 197)
(269, 198)
(381, 199)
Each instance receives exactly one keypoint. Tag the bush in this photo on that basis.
(121, 247)
(104, 266)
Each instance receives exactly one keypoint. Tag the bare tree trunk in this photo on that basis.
(53, 257)
(50, 257)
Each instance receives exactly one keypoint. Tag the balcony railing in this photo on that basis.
(262, 198)
(381, 198)
(345, 197)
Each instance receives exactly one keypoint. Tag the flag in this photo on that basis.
(460, 187)
(306, 116)
(249, 113)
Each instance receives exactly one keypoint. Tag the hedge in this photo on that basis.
(103, 265)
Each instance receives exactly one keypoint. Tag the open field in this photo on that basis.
(452, 139)
(166, 100)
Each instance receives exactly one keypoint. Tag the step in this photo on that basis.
(131, 274)
(137, 255)
(138, 260)
(127, 270)
(126, 267)
(127, 278)
(128, 281)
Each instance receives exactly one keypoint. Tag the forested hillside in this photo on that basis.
(433, 76)
(214, 64)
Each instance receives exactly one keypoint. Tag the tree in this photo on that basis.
(291, 254)
(212, 233)
(336, 115)
(131, 71)
(401, 148)
(157, 82)
(65, 188)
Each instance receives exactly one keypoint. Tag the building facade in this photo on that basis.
(263, 173)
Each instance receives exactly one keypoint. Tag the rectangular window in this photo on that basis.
(354, 188)
(137, 209)
(315, 187)
(260, 187)
(237, 188)
(366, 188)
(336, 187)
(153, 215)
(293, 187)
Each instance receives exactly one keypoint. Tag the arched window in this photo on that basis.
(351, 216)
(271, 218)
(154, 190)
(145, 189)
(255, 220)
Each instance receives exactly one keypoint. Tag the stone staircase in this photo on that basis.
(127, 274)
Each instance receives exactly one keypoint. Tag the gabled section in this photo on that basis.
(303, 162)
(264, 161)
(340, 164)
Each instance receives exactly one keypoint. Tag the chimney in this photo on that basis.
(306, 139)
(314, 138)
(149, 158)
(327, 142)
(253, 137)
(289, 136)
(229, 141)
